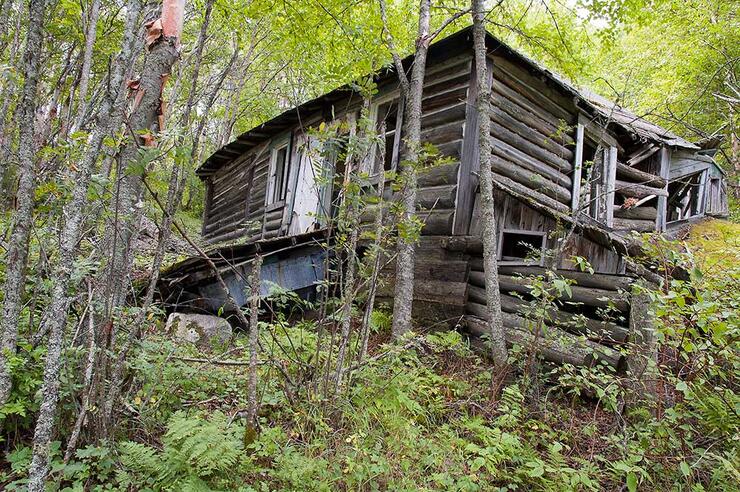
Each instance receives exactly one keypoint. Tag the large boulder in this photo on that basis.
(200, 329)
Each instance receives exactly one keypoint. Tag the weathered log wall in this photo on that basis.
(532, 136)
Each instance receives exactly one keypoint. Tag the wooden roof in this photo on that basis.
(586, 100)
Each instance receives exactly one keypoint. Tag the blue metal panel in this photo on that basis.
(297, 269)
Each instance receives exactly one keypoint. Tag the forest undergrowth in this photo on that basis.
(419, 415)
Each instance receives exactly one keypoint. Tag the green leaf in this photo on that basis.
(631, 482)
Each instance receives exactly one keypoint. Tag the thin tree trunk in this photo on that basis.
(143, 124)
(56, 321)
(254, 306)
(17, 253)
(408, 227)
(174, 197)
(488, 212)
(90, 35)
(377, 252)
(87, 382)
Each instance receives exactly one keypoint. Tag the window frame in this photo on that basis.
(523, 262)
(369, 165)
(271, 201)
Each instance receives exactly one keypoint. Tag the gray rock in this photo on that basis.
(200, 329)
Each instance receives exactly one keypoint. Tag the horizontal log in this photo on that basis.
(594, 329)
(442, 133)
(531, 180)
(636, 225)
(584, 279)
(634, 174)
(641, 213)
(532, 150)
(521, 159)
(589, 296)
(636, 190)
(438, 175)
(552, 344)
(464, 244)
(503, 100)
(551, 142)
(436, 222)
(528, 194)
(535, 87)
(437, 197)
(443, 116)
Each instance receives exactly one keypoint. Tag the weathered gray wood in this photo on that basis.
(596, 330)
(527, 194)
(436, 222)
(589, 296)
(641, 177)
(435, 197)
(507, 100)
(636, 190)
(521, 159)
(535, 89)
(642, 154)
(552, 344)
(578, 165)
(530, 180)
(532, 150)
(639, 213)
(468, 172)
(547, 142)
(583, 279)
(637, 225)
(642, 357)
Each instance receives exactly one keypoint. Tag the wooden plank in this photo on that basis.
(636, 190)
(469, 160)
(662, 204)
(640, 213)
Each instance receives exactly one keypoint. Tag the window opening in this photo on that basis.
(521, 247)
(280, 174)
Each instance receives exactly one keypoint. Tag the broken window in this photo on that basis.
(521, 247)
(684, 197)
(280, 172)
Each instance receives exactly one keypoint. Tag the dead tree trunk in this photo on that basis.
(17, 253)
(488, 217)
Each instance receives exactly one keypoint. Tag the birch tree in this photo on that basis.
(488, 209)
(411, 90)
(145, 120)
(17, 253)
(73, 213)
(408, 224)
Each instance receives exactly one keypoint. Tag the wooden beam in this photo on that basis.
(665, 170)
(469, 157)
(641, 177)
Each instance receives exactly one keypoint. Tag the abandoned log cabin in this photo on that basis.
(560, 158)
